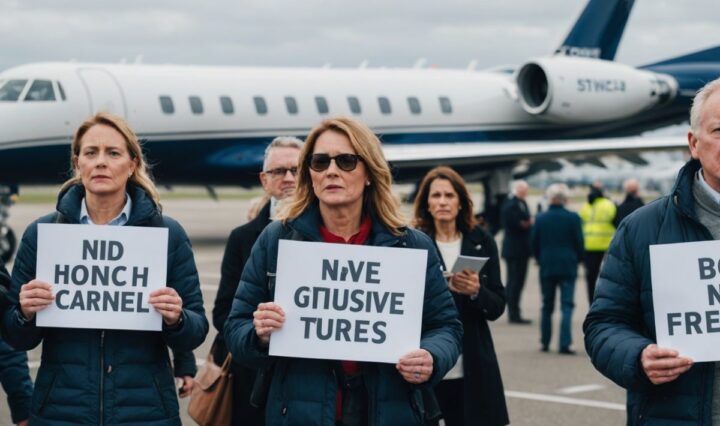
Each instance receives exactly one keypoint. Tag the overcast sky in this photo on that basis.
(393, 33)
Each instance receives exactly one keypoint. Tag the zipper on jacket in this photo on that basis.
(102, 376)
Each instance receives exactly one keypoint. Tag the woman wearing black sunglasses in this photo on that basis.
(343, 196)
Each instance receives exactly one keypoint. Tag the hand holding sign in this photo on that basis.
(466, 282)
(416, 366)
(662, 365)
(168, 304)
(35, 296)
(267, 318)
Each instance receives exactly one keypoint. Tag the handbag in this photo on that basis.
(212, 396)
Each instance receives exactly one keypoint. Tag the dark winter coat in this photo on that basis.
(516, 238)
(557, 242)
(237, 253)
(108, 377)
(483, 388)
(14, 372)
(303, 391)
(621, 320)
(629, 205)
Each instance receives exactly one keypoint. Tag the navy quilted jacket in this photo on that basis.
(303, 391)
(14, 372)
(108, 377)
(621, 321)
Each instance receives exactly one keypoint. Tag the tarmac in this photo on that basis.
(541, 388)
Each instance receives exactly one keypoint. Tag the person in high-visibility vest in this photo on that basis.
(597, 216)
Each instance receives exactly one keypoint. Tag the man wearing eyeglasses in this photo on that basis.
(278, 181)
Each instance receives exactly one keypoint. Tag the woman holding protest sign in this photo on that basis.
(343, 196)
(96, 376)
(472, 392)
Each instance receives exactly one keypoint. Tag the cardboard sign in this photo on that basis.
(686, 298)
(348, 302)
(102, 276)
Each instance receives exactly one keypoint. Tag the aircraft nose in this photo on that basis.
(24, 124)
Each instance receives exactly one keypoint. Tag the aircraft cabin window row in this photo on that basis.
(260, 105)
(166, 104)
(291, 105)
(414, 105)
(384, 104)
(39, 90)
(354, 104)
(196, 105)
(227, 105)
(322, 105)
(261, 108)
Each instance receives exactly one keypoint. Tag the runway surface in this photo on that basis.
(541, 388)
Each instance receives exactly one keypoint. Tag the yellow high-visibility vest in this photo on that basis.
(598, 228)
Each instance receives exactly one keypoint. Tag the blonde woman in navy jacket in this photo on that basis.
(107, 377)
(343, 195)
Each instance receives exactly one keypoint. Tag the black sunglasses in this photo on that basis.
(344, 162)
(281, 171)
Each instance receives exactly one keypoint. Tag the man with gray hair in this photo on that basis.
(663, 387)
(557, 244)
(278, 180)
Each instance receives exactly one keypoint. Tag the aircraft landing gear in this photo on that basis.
(8, 240)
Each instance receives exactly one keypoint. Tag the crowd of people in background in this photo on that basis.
(336, 188)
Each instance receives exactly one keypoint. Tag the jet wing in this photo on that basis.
(468, 153)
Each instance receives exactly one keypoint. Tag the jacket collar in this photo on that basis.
(263, 217)
(308, 225)
(143, 207)
(682, 194)
(471, 242)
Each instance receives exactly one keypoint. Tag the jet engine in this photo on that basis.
(582, 90)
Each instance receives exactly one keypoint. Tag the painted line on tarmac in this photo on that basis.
(565, 400)
(580, 389)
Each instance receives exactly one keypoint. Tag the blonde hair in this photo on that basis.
(377, 197)
(141, 175)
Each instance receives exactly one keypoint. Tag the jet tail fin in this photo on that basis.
(598, 30)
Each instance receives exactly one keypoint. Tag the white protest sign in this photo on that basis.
(102, 276)
(348, 302)
(686, 298)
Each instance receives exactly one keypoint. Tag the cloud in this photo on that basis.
(341, 32)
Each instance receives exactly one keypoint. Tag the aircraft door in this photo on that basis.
(104, 92)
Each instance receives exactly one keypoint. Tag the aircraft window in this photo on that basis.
(445, 105)
(354, 103)
(10, 91)
(291, 105)
(40, 90)
(62, 91)
(166, 104)
(227, 105)
(384, 105)
(322, 105)
(414, 105)
(260, 105)
(196, 105)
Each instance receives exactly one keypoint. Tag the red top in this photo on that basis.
(348, 367)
